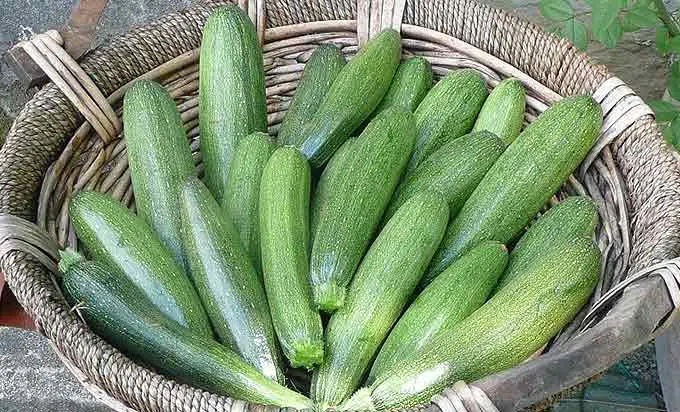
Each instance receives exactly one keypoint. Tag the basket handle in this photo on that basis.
(374, 16)
(77, 34)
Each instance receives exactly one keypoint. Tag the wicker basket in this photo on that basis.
(67, 139)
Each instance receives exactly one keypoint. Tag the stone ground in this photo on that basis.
(30, 373)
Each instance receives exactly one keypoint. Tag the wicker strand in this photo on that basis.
(462, 397)
(20, 234)
(374, 16)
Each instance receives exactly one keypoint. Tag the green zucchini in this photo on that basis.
(119, 312)
(379, 292)
(503, 111)
(574, 218)
(226, 280)
(411, 83)
(454, 170)
(160, 160)
(284, 224)
(523, 179)
(355, 93)
(332, 169)
(242, 194)
(510, 327)
(119, 239)
(447, 112)
(231, 91)
(320, 72)
(453, 296)
(357, 198)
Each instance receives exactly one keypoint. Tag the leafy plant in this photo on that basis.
(605, 21)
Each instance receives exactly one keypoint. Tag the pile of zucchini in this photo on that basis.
(366, 245)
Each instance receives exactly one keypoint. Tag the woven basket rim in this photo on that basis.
(9, 193)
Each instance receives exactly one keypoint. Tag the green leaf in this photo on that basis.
(576, 32)
(610, 35)
(673, 86)
(557, 10)
(674, 45)
(662, 40)
(675, 133)
(664, 111)
(605, 12)
(639, 16)
(675, 71)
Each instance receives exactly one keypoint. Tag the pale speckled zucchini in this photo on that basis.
(503, 111)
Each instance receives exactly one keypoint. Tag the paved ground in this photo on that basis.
(31, 377)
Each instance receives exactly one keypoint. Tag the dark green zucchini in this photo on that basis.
(114, 236)
(120, 313)
(230, 288)
(411, 83)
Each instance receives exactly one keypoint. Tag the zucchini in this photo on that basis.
(319, 74)
(510, 327)
(284, 223)
(160, 160)
(574, 218)
(119, 239)
(454, 170)
(242, 194)
(447, 112)
(453, 296)
(231, 91)
(523, 179)
(332, 169)
(353, 96)
(356, 200)
(411, 83)
(119, 312)
(226, 280)
(503, 111)
(379, 292)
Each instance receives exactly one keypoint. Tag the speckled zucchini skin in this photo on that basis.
(118, 311)
(357, 198)
(114, 236)
(160, 160)
(333, 168)
(355, 93)
(505, 331)
(411, 83)
(320, 72)
(447, 112)
(284, 224)
(452, 297)
(454, 170)
(503, 111)
(231, 291)
(572, 219)
(381, 288)
(231, 91)
(242, 195)
(522, 180)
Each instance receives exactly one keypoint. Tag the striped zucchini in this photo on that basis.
(454, 170)
(447, 112)
(355, 93)
(356, 201)
(379, 292)
(231, 91)
(226, 280)
(453, 296)
(523, 179)
(242, 194)
(503, 111)
(574, 218)
(114, 236)
(119, 312)
(505, 331)
(160, 160)
(284, 224)
(320, 72)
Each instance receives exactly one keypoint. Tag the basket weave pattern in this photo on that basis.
(632, 175)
